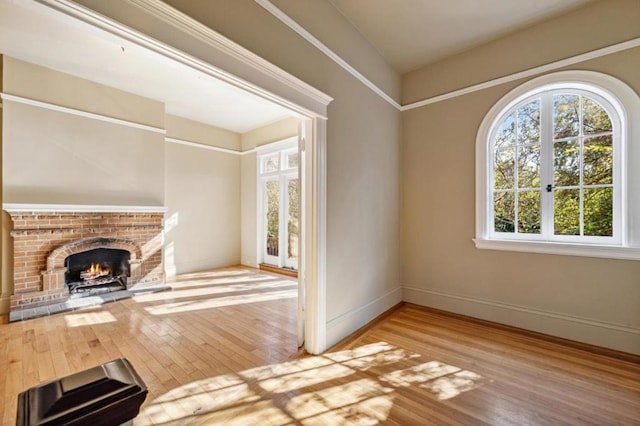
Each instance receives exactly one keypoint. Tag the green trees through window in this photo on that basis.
(553, 163)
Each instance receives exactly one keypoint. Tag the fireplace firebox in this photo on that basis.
(100, 269)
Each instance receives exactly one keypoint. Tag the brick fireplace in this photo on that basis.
(46, 237)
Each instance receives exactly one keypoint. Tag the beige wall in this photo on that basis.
(193, 131)
(597, 25)
(46, 85)
(363, 161)
(271, 133)
(328, 25)
(585, 299)
(202, 196)
(69, 159)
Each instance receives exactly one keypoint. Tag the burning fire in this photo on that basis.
(95, 271)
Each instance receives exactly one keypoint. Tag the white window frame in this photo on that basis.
(626, 103)
(282, 149)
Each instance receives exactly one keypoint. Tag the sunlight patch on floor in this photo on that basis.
(453, 385)
(319, 404)
(89, 318)
(326, 390)
(442, 380)
(202, 282)
(210, 291)
(196, 305)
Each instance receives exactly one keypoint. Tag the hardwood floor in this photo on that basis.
(220, 349)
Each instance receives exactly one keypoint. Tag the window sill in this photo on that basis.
(569, 249)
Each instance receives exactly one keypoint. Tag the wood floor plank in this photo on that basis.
(221, 349)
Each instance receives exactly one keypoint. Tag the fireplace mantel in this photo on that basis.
(80, 208)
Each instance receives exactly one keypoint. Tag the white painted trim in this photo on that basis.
(280, 145)
(315, 227)
(299, 101)
(85, 114)
(190, 26)
(627, 104)
(615, 336)
(80, 208)
(544, 247)
(343, 325)
(262, 149)
(202, 146)
(615, 48)
(285, 19)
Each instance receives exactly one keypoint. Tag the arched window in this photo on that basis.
(554, 175)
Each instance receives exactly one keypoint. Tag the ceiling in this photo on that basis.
(412, 33)
(408, 34)
(55, 42)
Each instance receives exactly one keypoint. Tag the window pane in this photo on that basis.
(529, 166)
(273, 224)
(566, 215)
(598, 212)
(529, 212)
(272, 164)
(506, 134)
(504, 212)
(292, 160)
(529, 122)
(595, 119)
(566, 120)
(566, 167)
(598, 160)
(504, 168)
(292, 220)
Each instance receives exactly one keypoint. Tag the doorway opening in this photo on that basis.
(279, 207)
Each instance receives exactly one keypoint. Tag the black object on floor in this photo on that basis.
(108, 394)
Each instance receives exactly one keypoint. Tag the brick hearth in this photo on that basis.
(42, 240)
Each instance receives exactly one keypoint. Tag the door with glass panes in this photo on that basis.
(280, 209)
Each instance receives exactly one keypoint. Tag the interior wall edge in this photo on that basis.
(285, 19)
(250, 261)
(614, 336)
(343, 325)
(80, 113)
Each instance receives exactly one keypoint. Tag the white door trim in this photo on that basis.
(221, 58)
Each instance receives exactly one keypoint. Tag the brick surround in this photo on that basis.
(43, 240)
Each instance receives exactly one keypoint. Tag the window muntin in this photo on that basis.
(279, 204)
(554, 169)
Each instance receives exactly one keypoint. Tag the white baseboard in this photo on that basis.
(614, 336)
(345, 324)
(203, 264)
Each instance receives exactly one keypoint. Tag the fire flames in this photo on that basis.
(95, 271)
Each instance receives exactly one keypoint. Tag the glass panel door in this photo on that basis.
(271, 197)
(280, 208)
(293, 223)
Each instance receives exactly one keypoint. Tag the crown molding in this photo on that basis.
(193, 28)
(202, 146)
(285, 19)
(615, 48)
(190, 26)
(80, 113)
(201, 32)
